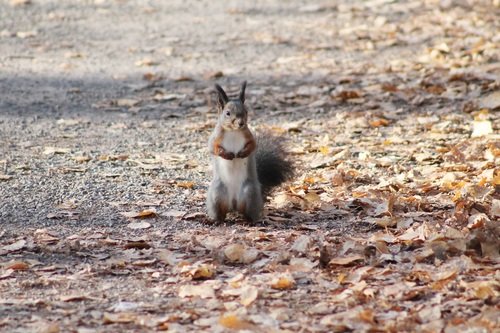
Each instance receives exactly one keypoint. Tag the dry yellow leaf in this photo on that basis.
(283, 282)
(232, 321)
(188, 185)
(485, 291)
(140, 214)
(202, 272)
(367, 315)
(312, 197)
(379, 122)
(325, 150)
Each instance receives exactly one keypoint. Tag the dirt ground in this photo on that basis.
(390, 111)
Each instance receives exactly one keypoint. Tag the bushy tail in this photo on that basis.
(272, 166)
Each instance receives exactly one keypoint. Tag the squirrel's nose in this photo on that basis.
(241, 123)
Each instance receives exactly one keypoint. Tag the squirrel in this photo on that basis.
(245, 169)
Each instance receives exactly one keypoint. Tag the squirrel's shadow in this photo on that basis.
(289, 218)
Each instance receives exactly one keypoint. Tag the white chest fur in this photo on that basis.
(233, 141)
(233, 173)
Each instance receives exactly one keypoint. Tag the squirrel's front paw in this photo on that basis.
(242, 154)
(224, 154)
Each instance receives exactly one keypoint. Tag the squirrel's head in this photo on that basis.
(233, 114)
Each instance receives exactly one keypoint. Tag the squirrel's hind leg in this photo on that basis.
(250, 202)
(217, 201)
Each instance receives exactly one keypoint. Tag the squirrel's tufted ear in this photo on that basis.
(242, 91)
(221, 96)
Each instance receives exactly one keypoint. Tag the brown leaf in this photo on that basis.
(141, 214)
(183, 78)
(379, 122)
(17, 266)
(348, 94)
(368, 316)
(346, 261)
(213, 75)
(137, 245)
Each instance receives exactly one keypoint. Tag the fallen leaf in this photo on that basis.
(495, 208)
(248, 295)
(203, 291)
(139, 225)
(167, 257)
(26, 34)
(74, 298)
(146, 62)
(379, 122)
(188, 185)
(233, 322)
(491, 101)
(5, 177)
(55, 150)
(15, 3)
(301, 265)
(301, 244)
(126, 102)
(81, 159)
(17, 266)
(141, 214)
(178, 214)
(477, 220)
(183, 78)
(205, 271)
(346, 261)
(16, 246)
(137, 245)
(239, 253)
(213, 75)
(348, 94)
(283, 282)
(48, 328)
(481, 128)
(120, 318)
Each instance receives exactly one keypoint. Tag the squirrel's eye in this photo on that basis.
(227, 113)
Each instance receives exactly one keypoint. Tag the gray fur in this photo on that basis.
(241, 184)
